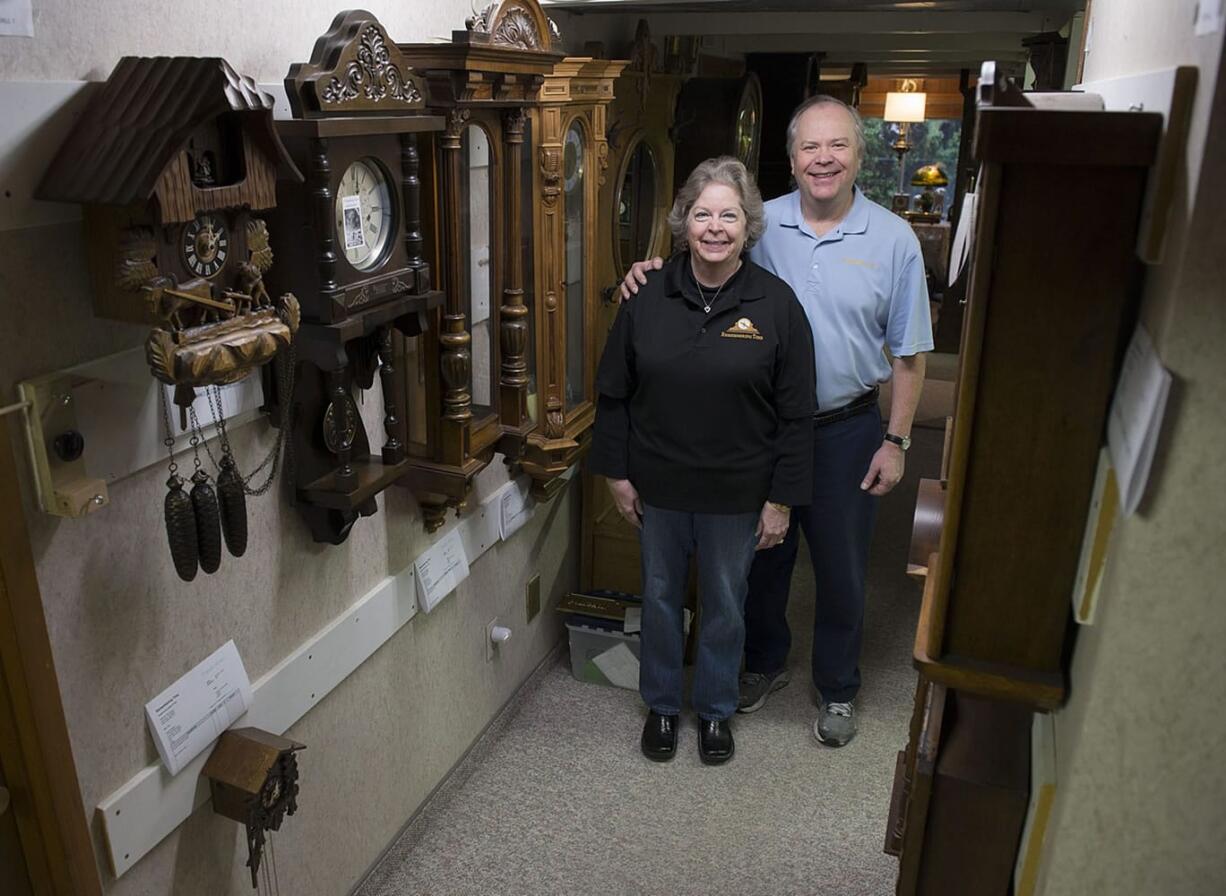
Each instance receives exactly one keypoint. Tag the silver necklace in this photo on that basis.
(706, 306)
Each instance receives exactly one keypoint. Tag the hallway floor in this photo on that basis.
(557, 799)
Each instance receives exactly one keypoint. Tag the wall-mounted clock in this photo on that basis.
(352, 241)
(718, 116)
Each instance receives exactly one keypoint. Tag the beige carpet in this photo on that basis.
(556, 799)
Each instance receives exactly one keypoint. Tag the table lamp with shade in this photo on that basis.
(903, 107)
(929, 177)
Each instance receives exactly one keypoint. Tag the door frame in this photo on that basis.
(34, 745)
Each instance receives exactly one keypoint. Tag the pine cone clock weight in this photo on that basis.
(208, 522)
(233, 507)
(181, 529)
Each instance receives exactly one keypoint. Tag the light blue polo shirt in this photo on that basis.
(862, 286)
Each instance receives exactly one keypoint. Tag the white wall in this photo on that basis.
(1141, 799)
(123, 626)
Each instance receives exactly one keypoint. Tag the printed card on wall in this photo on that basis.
(17, 18)
(440, 570)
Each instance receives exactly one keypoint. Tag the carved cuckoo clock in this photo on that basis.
(352, 239)
(176, 163)
(253, 779)
(173, 160)
(509, 369)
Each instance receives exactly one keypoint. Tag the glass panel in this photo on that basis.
(935, 141)
(573, 172)
(476, 208)
(527, 208)
(636, 208)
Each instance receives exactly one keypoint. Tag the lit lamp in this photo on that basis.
(902, 108)
(928, 177)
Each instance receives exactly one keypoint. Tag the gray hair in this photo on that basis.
(724, 170)
(823, 99)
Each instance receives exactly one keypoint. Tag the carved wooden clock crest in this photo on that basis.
(174, 161)
(352, 239)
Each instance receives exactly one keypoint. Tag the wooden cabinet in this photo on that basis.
(1051, 304)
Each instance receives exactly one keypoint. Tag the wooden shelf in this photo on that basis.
(373, 476)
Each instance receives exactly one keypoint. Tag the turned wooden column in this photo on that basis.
(456, 358)
(513, 314)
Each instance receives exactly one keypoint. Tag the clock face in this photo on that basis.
(205, 245)
(364, 214)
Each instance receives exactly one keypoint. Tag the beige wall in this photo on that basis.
(1141, 799)
(123, 626)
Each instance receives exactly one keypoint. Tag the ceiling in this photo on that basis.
(894, 37)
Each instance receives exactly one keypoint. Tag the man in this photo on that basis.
(858, 271)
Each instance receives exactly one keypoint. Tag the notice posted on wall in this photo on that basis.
(193, 712)
(17, 18)
(440, 570)
(1136, 417)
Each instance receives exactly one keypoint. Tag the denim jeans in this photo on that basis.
(724, 544)
(838, 527)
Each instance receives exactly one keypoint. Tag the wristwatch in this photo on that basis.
(903, 442)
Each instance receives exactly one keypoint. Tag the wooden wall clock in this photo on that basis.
(632, 224)
(353, 244)
(173, 160)
(176, 162)
(472, 382)
(497, 168)
(716, 117)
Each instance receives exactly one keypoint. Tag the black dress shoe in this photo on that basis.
(715, 741)
(659, 739)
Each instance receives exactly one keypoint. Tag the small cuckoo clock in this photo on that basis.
(253, 779)
(351, 237)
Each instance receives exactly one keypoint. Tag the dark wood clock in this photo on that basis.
(351, 243)
(718, 116)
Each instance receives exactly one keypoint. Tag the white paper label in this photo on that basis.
(1208, 17)
(17, 18)
(515, 508)
(351, 210)
(1136, 418)
(440, 570)
(189, 715)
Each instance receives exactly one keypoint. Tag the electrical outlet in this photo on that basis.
(533, 597)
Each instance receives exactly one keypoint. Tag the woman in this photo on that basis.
(703, 429)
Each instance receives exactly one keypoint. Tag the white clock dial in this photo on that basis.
(364, 214)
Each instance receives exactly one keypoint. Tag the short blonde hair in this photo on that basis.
(724, 170)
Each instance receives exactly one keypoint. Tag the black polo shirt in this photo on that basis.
(708, 413)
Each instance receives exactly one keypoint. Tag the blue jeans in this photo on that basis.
(838, 527)
(725, 547)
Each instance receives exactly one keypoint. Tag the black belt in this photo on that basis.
(867, 400)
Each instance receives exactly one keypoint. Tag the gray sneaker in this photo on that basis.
(756, 687)
(836, 723)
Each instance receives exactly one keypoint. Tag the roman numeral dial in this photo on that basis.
(364, 214)
(205, 245)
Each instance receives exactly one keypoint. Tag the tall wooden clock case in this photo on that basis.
(353, 249)
(516, 179)
(632, 224)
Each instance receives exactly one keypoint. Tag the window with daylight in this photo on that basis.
(934, 141)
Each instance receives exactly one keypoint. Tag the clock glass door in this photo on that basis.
(636, 208)
(526, 248)
(574, 173)
(477, 231)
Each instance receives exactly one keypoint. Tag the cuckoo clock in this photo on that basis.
(352, 240)
(632, 224)
(174, 159)
(471, 384)
(715, 117)
(176, 162)
(253, 779)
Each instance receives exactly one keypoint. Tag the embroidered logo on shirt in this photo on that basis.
(743, 329)
(859, 262)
